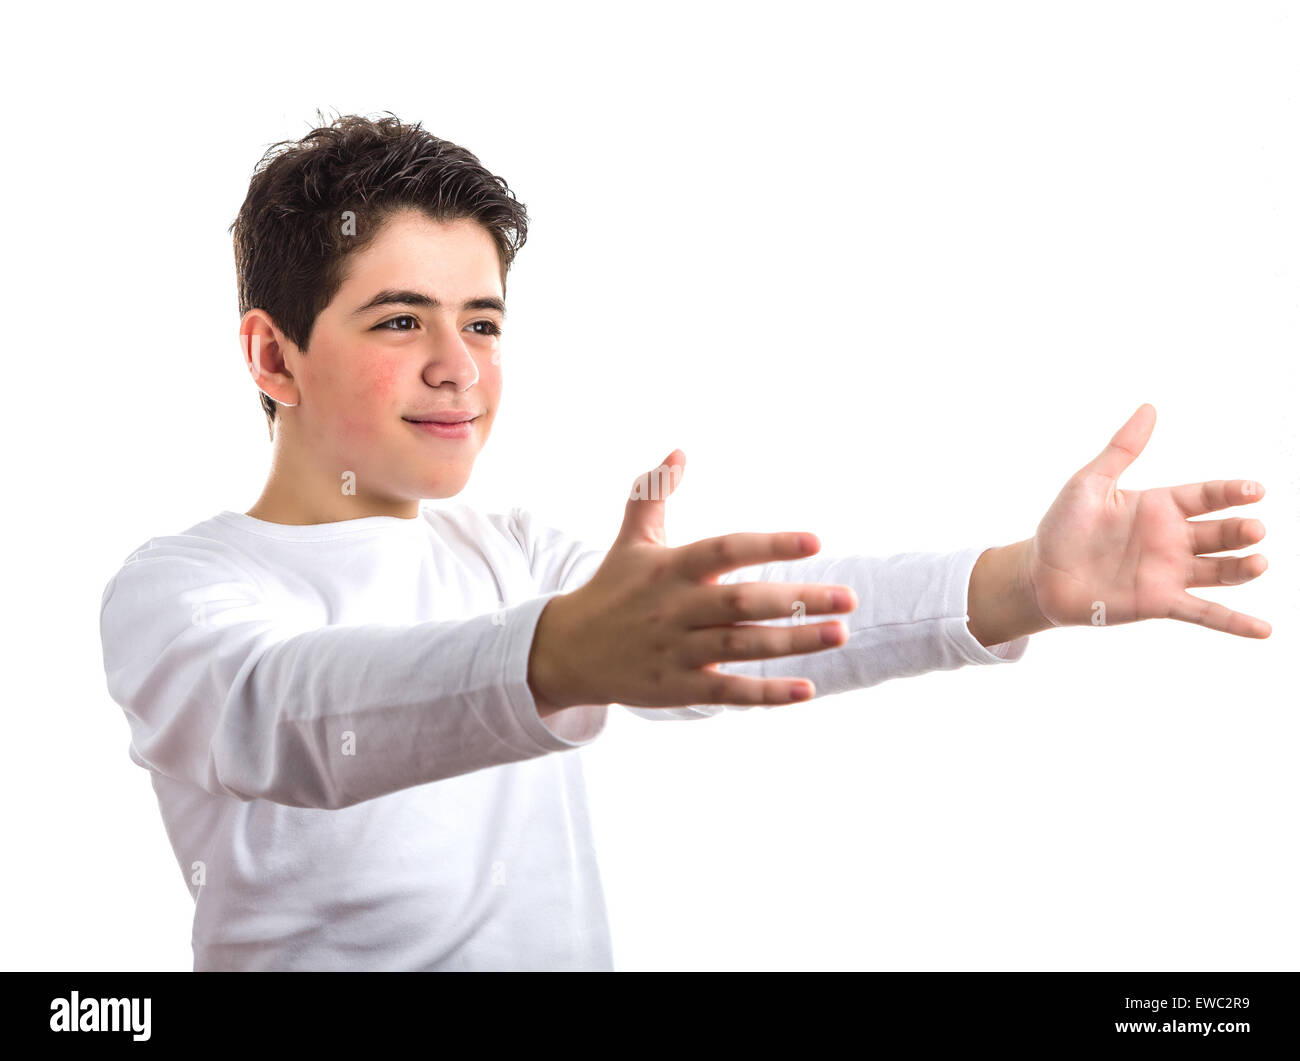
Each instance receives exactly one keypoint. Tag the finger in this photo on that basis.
(1218, 535)
(726, 644)
(716, 605)
(715, 687)
(712, 556)
(1196, 499)
(1128, 442)
(1226, 570)
(1215, 616)
(643, 518)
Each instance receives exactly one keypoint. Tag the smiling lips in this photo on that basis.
(443, 418)
(444, 425)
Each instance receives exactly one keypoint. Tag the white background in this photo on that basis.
(886, 272)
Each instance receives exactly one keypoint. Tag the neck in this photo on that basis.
(300, 492)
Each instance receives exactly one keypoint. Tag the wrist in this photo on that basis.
(543, 680)
(1027, 596)
(1001, 603)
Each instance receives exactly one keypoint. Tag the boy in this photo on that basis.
(351, 706)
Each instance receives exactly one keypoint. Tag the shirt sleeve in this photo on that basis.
(220, 693)
(558, 561)
(911, 616)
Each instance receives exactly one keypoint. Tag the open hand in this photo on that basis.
(650, 626)
(1105, 556)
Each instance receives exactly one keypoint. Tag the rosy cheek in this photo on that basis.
(377, 384)
(489, 381)
(370, 400)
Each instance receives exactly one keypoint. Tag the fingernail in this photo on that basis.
(830, 635)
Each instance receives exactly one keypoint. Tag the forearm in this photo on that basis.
(543, 682)
(1000, 601)
(903, 626)
(544, 707)
(325, 718)
(911, 619)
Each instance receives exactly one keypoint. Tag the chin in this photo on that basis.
(443, 486)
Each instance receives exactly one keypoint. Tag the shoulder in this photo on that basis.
(509, 528)
(199, 556)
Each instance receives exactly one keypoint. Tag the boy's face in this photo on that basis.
(374, 365)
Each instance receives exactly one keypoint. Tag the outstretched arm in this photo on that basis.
(1103, 556)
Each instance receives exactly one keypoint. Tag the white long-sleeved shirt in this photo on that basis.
(346, 752)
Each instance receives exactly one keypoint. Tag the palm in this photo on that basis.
(1105, 556)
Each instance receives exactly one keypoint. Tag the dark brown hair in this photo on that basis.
(290, 237)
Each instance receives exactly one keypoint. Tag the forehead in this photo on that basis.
(412, 247)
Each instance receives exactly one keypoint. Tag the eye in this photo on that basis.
(491, 326)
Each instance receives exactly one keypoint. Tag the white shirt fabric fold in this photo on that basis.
(347, 756)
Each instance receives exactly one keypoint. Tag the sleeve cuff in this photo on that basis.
(571, 728)
(957, 603)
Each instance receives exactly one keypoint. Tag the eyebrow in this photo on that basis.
(419, 298)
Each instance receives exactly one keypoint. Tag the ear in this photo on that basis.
(264, 350)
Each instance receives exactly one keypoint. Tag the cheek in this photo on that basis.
(376, 385)
(368, 400)
(489, 380)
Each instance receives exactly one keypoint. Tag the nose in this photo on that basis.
(449, 359)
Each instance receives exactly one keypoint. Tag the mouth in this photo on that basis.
(451, 426)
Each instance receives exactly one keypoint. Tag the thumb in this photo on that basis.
(1123, 449)
(643, 519)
